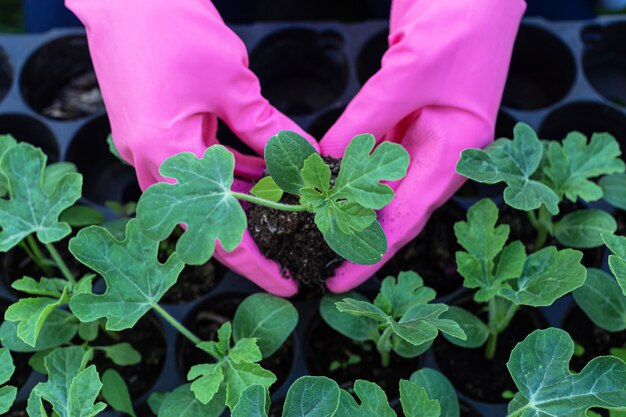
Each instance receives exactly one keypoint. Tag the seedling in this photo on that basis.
(505, 276)
(201, 196)
(541, 175)
(401, 318)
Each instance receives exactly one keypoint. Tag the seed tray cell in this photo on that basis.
(564, 76)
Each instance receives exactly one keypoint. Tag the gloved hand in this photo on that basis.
(437, 93)
(167, 70)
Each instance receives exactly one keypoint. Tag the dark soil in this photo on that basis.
(195, 280)
(20, 360)
(522, 229)
(16, 264)
(476, 190)
(476, 376)
(325, 346)
(293, 240)
(207, 319)
(78, 98)
(276, 409)
(432, 252)
(620, 217)
(148, 338)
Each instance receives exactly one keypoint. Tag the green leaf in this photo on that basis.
(584, 228)
(240, 376)
(365, 247)
(59, 328)
(7, 397)
(254, 402)
(207, 379)
(30, 315)
(362, 309)
(372, 398)
(114, 150)
(614, 190)
(6, 142)
(122, 354)
(7, 368)
(156, 400)
(201, 199)
(572, 164)
(30, 209)
(476, 330)
(115, 392)
(88, 331)
(71, 388)
(54, 173)
(397, 296)
(514, 162)
(48, 287)
(617, 261)
(285, 154)
(406, 350)
(415, 401)
(80, 216)
(362, 171)
(245, 350)
(135, 279)
(268, 318)
(37, 361)
(438, 388)
(355, 327)
(540, 368)
(602, 301)
(548, 275)
(316, 173)
(422, 324)
(266, 188)
(312, 396)
(182, 403)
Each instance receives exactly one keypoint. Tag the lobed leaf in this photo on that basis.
(398, 295)
(48, 287)
(182, 403)
(572, 163)
(355, 327)
(438, 388)
(362, 171)
(540, 368)
(513, 162)
(602, 301)
(30, 314)
(269, 319)
(547, 275)
(59, 328)
(201, 199)
(285, 154)
(474, 328)
(72, 388)
(7, 392)
(584, 228)
(372, 398)
(6, 142)
(135, 279)
(31, 208)
(122, 354)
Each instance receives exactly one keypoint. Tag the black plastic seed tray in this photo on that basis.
(564, 76)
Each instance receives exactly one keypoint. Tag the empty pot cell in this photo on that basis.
(370, 56)
(27, 129)
(320, 125)
(587, 118)
(6, 74)
(105, 178)
(542, 70)
(301, 71)
(604, 60)
(58, 81)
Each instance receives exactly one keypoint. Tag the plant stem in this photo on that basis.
(492, 344)
(34, 252)
(61, 263)
(177, 325)
(269, 203)
(383, 347)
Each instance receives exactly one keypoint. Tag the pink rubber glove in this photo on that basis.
(167, 70)
(437, 93)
